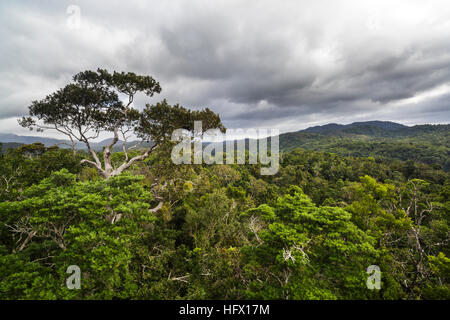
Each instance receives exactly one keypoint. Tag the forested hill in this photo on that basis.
(333, 127)
(428, 144)
(376, 129)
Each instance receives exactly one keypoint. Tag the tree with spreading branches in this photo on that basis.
(92, 104)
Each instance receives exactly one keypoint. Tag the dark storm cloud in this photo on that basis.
(258, 63)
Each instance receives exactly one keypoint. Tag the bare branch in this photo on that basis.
(157, 208)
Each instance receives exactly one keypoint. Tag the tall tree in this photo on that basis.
(91, 104)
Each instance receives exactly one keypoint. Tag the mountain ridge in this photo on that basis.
(48, 142)
(386, 125)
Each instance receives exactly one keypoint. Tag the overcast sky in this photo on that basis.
(259, 64)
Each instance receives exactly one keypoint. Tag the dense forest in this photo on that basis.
(344, 201)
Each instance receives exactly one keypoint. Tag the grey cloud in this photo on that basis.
(255, 62)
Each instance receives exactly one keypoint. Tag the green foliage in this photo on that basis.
(94, 225)
(162, 231)
(306, 252)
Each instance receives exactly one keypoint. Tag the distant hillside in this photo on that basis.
(380, 139)
(333, 127)
(366, 131)
(48, 142)
(8, 137)
(375, 129)
(429, 144)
